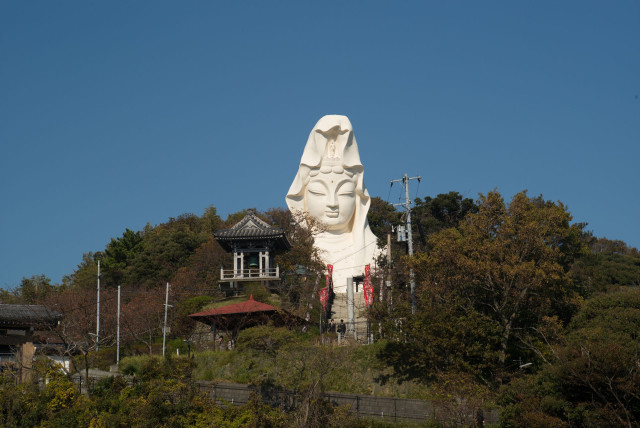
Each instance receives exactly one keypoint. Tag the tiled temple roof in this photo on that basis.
(251, 228)
(245, 307)
(27, 315)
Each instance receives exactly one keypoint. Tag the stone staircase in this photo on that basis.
(339, 311)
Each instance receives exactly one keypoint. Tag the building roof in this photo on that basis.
(27, 315)
(246, 314)
(248, 306)
(251, 228)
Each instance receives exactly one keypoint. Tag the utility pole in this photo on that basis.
(388, 279)
(98, 311)
(118, 331)
(407, 205)
(164, 330)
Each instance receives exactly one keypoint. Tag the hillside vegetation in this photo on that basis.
(516, 306)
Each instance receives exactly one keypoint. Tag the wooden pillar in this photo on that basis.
(25, 360)
(238, 263)
(267, 262)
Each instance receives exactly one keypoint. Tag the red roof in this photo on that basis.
(237, 308)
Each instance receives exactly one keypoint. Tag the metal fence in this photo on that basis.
(395, 409)
(390, 408)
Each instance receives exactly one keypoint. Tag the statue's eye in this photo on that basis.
(316, 190)
(347, 189)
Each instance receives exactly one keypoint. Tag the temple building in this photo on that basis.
(18, 339)
(253, 243)
(232, 318)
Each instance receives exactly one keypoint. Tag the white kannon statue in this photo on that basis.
(329, 187)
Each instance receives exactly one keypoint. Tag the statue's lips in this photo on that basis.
(332, 214)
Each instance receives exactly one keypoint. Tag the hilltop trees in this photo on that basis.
(31, 291)
(86, 273)
(183, 252)
(494, 279)
(149, 257)
(512, 297)
(382, 217)
(119, 254)
(608, 264)
(511, 262)
(165, 248)
(430, 215)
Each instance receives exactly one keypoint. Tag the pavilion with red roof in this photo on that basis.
(238, 316)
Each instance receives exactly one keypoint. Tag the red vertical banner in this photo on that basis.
(367, 287)
(323, 294)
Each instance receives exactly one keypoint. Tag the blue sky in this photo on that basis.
(115, 114)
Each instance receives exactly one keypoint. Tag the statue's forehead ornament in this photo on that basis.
(331, 161)
(326, 169)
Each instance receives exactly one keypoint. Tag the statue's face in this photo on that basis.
(331, 199)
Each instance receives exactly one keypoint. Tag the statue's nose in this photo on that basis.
(332, 201)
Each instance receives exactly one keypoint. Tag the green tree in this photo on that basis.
(34, 290)
(86, 273)
(165, 248)
(607, 264)
(119, 254)
(8, 297)
(599, 364)
(431, 215)
(382, 216)
(592, 378)
(607, 246)
(234, 218)
(211, 220)
(183, 324)
(266, 340)
(509, 265)
(443, 336)
(596, 272)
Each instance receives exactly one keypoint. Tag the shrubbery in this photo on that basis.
(161, 394)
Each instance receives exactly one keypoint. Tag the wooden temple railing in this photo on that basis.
(249, 274)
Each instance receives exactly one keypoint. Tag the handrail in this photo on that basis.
(250, 273)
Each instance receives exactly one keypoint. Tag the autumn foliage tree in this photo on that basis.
(142, 317)
(497, 276)
(300, 266)
(77, 329)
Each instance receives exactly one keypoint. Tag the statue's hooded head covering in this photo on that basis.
(332, 147)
